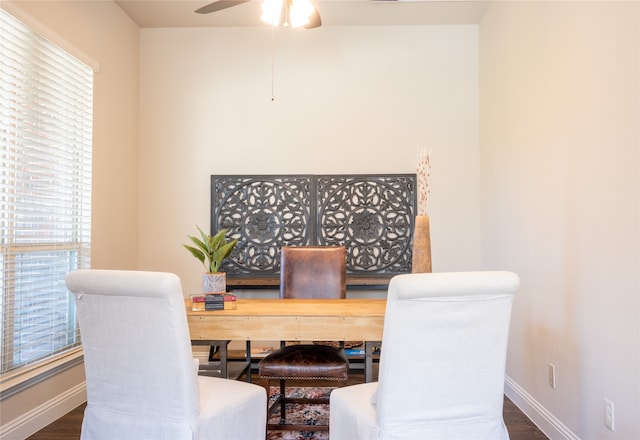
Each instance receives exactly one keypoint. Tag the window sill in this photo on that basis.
(16, 381)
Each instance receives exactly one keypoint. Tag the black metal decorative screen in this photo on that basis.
(371, 215)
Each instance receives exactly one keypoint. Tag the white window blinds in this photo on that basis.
(46, 101)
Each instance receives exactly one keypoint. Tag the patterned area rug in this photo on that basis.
(308, 414)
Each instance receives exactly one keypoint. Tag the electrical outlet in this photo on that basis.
(552, 376)
(609, 420)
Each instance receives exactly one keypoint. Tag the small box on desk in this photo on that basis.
(213, 301)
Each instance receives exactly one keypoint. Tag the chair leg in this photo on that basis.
(282, 402)
(272, 407)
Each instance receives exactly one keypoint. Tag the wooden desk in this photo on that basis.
(294, 320)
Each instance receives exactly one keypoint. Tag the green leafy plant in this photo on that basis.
(211, 250)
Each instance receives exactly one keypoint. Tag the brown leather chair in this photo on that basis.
(312, 272)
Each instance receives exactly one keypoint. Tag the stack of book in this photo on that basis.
(213, 301)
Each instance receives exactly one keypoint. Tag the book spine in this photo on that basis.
(214, 306)
(354, 352)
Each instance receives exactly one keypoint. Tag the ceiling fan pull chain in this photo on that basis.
(273, 62)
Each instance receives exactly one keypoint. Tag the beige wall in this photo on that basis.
(559, 92)
(535, 160)
(347, 100)
(97, 32)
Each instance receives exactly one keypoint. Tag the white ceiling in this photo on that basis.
(180, 13)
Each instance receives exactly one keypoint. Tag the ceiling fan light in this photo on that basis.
(292, 13)
(299, 12)
(271, 12)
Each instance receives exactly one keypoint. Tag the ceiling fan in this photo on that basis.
(283, 15)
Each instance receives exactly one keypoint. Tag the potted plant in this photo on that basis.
(211, 252)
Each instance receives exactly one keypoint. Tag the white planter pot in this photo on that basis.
(214, 282)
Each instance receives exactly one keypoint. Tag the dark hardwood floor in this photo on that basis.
(68, 426)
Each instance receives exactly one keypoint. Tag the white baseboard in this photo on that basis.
(44, 414)
(538, 414)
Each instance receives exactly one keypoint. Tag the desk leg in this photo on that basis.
(368, 361)
(215, 346)
(248, 360)
(223, 360)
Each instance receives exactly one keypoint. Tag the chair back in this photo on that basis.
(443, 355)
(313, 272)
(137, 352)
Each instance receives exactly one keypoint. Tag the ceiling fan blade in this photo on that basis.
(218, 6)
(314, 20)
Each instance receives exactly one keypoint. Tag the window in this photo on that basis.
(46, 101)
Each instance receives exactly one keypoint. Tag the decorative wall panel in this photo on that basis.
(371, 215)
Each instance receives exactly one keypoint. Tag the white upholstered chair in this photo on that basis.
(442, 362)
(142, 381)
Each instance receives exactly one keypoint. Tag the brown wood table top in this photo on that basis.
(291, 319)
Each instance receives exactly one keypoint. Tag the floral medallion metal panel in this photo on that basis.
(371, 215)
(264, 213)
